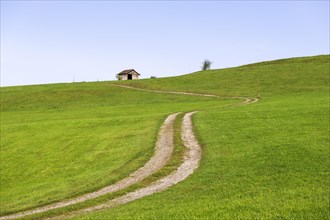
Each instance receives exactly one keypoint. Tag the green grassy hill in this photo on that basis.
(59, 141)
(272, 78)
(266, 160)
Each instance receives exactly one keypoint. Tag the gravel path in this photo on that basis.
(163, 152)
(191, 161)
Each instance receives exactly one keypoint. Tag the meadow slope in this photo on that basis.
(63, 140)
(266, 160)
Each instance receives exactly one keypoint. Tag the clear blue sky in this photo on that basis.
(52, 41)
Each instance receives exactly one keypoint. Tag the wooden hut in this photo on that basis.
(129, 74)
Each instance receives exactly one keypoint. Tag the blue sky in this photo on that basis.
(54, 41)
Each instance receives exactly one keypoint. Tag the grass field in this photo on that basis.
(265, 160)
(59, 141)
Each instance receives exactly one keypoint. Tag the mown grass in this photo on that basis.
(60, 141)
(268, 160)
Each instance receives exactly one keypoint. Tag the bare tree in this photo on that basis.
(206, 65)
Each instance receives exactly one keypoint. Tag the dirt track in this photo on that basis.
(191, 161)
(163, 151)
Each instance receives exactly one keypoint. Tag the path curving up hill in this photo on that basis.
(163, 152)
(191, 160)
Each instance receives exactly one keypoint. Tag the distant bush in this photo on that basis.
(206, 65)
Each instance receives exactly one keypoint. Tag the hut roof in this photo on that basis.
(125, 72)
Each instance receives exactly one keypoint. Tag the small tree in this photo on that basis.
(206, 65)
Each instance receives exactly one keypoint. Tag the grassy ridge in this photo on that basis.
(267, 160)
(267, 78)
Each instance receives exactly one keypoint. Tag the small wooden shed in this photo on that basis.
(129, 74)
